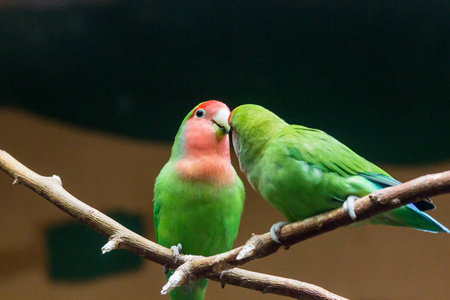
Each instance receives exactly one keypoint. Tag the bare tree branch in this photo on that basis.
(191, 268)
(277, 285)
(119, 237)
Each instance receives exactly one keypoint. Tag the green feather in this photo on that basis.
(202, 216)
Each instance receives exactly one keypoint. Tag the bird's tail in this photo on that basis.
(194, 291)
(409, 216)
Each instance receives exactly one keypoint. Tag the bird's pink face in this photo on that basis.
(204, 137)
(213, 114)
(207, 128)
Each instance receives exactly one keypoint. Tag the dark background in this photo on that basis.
(374, 74)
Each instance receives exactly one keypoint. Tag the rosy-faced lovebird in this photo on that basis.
(303, 171)
(198, 197)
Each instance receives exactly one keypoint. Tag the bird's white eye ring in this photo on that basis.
(200, 114)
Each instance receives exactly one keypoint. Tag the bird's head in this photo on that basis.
(204, 131)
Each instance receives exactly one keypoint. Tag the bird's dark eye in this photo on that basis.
(199, 114)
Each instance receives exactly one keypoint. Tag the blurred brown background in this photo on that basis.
(108, 172)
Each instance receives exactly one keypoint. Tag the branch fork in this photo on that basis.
(112, 244)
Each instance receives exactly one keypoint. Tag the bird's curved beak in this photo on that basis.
(221, 120)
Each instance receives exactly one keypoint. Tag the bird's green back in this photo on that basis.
(315, 172)
(259, 128)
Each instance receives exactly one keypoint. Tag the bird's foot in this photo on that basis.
(275, 233)
(220, 278)
(349, 207)
(176, 251)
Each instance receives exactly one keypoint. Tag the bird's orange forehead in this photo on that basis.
(211, 105)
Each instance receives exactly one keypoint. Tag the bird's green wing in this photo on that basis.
(326, 153)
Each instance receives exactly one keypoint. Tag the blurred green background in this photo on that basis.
(374, 74)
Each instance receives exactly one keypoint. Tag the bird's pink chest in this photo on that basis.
(212, 169)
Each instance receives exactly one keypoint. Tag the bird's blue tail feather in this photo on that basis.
(410, 215)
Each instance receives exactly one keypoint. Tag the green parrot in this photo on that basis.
(198, 197)
(303, 171)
